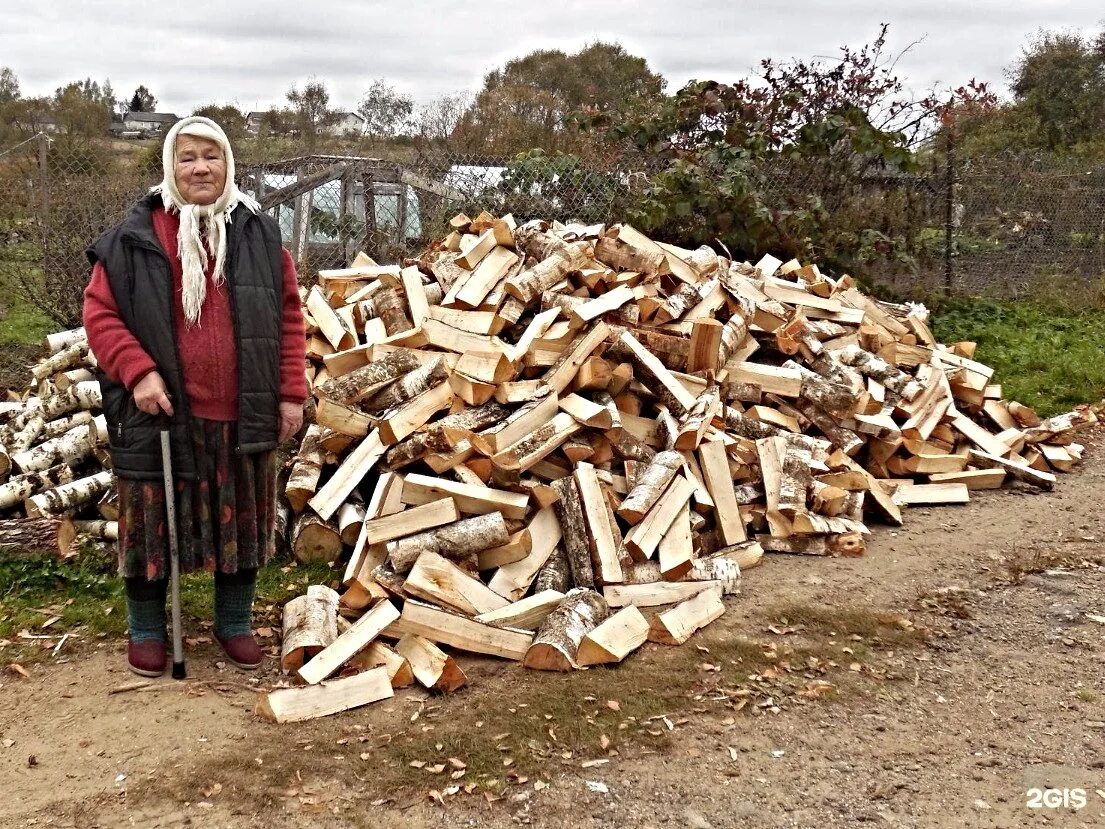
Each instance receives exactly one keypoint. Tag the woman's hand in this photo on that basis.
(151, 396)
(291, 418)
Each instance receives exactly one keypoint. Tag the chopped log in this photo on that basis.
(438, 580)
(26, 536)
(348, 644)
(1018, 471)
(651, 484)
(435, 437)
(390, 308)
(56, 428)
(677, 625)
(614, 639)
(69, 357)
(525, 614)
(672, 393)
(421, 489)
(379, 655)
(63, 339)
(971, 478)
(409, 386)
(315, 540)
(513, 580)
(539, 444)
(409, 522)
(558, 639)
(303, 480)
(310, 624)
(693, 425)
(529, 284)
(432, 667)
(465, 634)
(83, 395)
(676, 549)
(71, 448)
(70, 531)
(367, 380)
(569, 513)
(286, 705)
(68, 496)
(603, 532)
(911, 495)
(645, 537)
(651, 595)
(556, 573)
(352, 470)
(714, 463)
(456, 541)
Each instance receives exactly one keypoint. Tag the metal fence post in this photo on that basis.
(949, 214)
(44, 183)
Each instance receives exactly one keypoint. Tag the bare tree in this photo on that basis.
(387, 112)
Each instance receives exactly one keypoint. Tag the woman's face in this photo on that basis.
(200, 169)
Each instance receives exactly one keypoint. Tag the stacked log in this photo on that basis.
(558, 431)
(53, 460)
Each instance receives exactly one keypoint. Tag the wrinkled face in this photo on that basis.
(200, 169)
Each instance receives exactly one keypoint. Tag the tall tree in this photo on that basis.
(386, 111)
(227, 116)
(1060, 79)
(83, 107)
(143, 100)
(310, 109)
(9, 85)
(532, 100)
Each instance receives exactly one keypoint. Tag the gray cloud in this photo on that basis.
(251, 52)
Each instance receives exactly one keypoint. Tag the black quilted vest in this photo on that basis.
(141, 282)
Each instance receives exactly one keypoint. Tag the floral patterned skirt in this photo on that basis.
(226, 518)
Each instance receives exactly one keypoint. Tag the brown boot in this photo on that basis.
(242, 650)
(146, 658)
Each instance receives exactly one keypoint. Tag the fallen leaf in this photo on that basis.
(418, 764)
(613, 705)
(587, 764)
(457, 763)
(604, 742)
(19, 669)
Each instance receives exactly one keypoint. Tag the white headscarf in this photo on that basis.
(202, 226)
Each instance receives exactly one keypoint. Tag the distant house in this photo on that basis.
(346, 123)
(254, 121)
(144, 124)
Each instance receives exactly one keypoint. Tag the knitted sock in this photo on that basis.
(146, 609)
(234, 603)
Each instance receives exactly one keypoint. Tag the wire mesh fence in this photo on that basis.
(999, 228)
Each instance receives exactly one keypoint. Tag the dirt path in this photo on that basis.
(1006, 694)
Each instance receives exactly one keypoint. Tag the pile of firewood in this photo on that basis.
(530, 433)
(55, 479)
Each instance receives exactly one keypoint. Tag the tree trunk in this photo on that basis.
(454, 541)
(22, 440)
(27, 536)
(310, 624)
(68, 496)
(557, 641)
(574, 533)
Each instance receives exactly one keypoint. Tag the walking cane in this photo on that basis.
(174, 555)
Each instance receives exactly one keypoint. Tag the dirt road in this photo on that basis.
(932, 683)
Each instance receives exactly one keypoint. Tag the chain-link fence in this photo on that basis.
(1000, 228)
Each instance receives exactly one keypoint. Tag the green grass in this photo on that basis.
(1043, 354)
(86, 592)
(24, 325)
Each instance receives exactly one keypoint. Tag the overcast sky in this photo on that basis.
(249, 52)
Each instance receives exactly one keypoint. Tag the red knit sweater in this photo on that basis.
(208, 353)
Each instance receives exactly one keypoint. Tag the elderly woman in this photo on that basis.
(193, 313)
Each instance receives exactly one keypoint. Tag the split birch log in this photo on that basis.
(286, 705)
(315, 540)
(392, 310)
(432, 667)
(574, 534)
(69, 496)
(676, 625)
(69, 531)
(651, 484)
(409, 386)
(365, 381)
(614, 639)
(303, 480)
(454, 541)
(558, 639)
(436, 438)
(555, 574)
(378, 655)
(310, 624)
(566, 258)
(348, 643)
